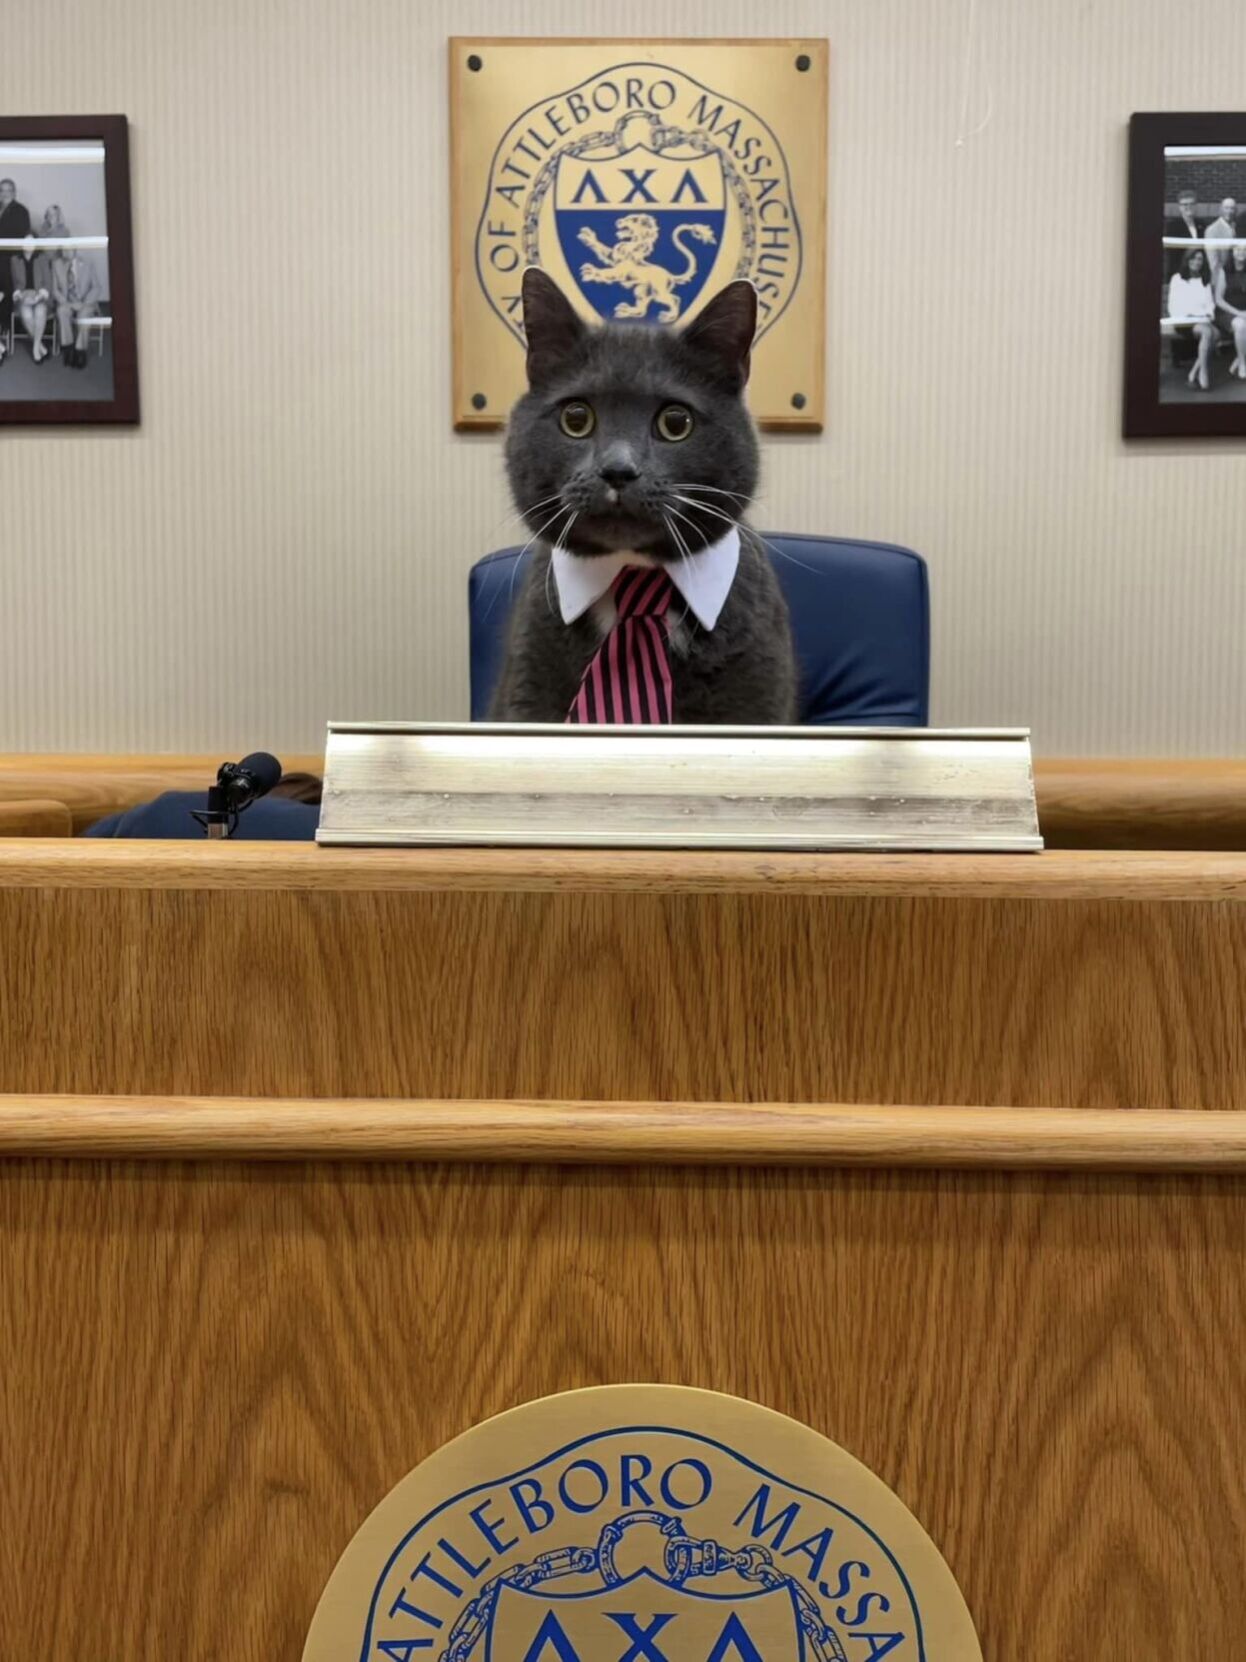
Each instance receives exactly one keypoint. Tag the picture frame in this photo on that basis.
(68, 339)
(1185, 375)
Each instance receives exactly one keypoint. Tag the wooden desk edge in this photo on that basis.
(611, 1133)
(1062, 874)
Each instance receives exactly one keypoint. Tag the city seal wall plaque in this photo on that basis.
(642, 176)
(641, 1523)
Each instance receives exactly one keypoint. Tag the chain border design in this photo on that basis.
(683, 1556)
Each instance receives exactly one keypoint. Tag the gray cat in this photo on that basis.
(637, 438)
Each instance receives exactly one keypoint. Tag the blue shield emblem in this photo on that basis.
(641, 231)
(644, 1617)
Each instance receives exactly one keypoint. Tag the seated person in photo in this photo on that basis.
(31, 306)
(76, 294)
(1192, 307)
(1180, 224)
(32, 303)
(1230, 293)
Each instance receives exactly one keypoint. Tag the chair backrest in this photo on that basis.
(860, 617)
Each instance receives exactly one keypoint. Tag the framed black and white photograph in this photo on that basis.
(68, 351)
(1185, 297)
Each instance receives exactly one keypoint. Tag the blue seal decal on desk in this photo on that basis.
(641, 1523)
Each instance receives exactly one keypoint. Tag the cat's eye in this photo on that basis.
(674, 422)
(577, 419)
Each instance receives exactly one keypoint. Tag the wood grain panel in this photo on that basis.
(34, 817)
(213, 1373)
(1099, 803)
(566, 994)
(578, 1133)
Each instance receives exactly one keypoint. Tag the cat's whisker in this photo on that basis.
(707, 508)
(519, 559)
(779, 553)
(560, 543)
(681, 546)
(711, 490)
(673, 534)
(705, 541)
(748, 530)
(519, 514)
(542, 529)
(738, 504)
(685, 553)
(684, 559)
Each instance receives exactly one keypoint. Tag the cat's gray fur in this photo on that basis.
(741, 671)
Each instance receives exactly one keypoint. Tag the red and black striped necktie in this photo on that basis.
(628, 678)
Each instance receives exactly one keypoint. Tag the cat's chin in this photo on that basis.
(614, 534)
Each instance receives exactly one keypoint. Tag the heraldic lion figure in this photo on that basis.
(628, 263)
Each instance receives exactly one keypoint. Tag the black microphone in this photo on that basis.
(238, 785)
(246, 781)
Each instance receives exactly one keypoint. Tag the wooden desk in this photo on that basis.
(212, 1367)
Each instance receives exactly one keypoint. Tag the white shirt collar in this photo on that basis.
(703, 578)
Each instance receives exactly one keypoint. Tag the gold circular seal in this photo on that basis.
(641, 1523)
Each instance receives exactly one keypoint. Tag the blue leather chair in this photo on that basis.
(860, 616)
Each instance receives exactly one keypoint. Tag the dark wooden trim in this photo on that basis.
(1144, 415)
(113, 132)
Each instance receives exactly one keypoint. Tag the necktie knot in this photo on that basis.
(641, 591)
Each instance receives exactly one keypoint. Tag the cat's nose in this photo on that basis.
(618, 466)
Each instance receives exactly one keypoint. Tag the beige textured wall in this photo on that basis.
(287, 535)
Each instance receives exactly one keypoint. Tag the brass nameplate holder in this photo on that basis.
(882, 789)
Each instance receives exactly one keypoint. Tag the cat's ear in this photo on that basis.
(723, 332)
(552, 328)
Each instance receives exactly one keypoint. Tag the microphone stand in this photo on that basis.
(220, 820)
(238, 785)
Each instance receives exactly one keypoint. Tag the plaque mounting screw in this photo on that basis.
(802, 62)
(475, 62)
(479, 401)
(799, 400)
